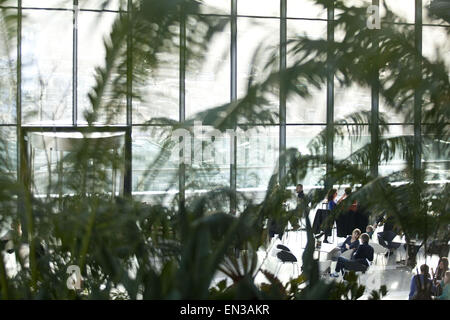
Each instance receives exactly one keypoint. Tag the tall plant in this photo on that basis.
(161, 251)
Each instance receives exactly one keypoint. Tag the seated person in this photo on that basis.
(441, 269)
(360, 259)
(445, 285)
(424, 279)
(388, 234)
(438, 275)
(370, 231)
(351, 243)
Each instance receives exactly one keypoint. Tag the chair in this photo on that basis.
(388, 245)
(347, 254)
(378, 249)
(439, 248)
(324, 267)
(6, 242)
(359, 270)
(286, 257)
(284, 248)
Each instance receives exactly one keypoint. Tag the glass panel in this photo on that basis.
(398, 162)
(251, 33)
(159, 94)
(437, 7)
(47, 67)
(351, 141)
(8, 69)
(312, 29)
(354, 3)
(155, 171)
(435, 157)
(258, 8)
(405, 9)
(404, 115)
(216, 6)
(210, 165)
(299, 137)
(405, 112)
(348, 100)
(8, 151)
(310, 109)
(257, 160)
(305, 9)
(91, 54)
(10, 3)
(436, 44)
(208, 81)
(48, 3)
(102, 4)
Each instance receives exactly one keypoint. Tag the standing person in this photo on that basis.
(345, 221)
(422, 288)
(445, 284)
(438, 276)
(347, 192)
(302, 204)
(331, 197)
(299, 191)
(360, 259)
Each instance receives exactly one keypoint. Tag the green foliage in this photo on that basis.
(129, 250)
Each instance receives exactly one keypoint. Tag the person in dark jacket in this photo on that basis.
(360, 259)
(424, 279)
(345, 222)
(299, 191)
(331, 197)
(361, 217)
(351, 243)
(385, 238)
(302, 204)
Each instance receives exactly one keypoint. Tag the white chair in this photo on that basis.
(379, 249)
(360, 274)
(324, 267)
(347, 254)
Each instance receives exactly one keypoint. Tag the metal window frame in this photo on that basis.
(21, 130)
(330, 96)
(282, 97)
(417, 93)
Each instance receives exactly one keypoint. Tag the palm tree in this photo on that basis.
(173, 251)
